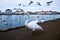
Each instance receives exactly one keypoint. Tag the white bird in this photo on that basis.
(33, 24)
(38, 4)
(48, 3)
(42, 20)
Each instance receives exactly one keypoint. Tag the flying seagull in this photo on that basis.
(38, 4)
(48, 3)
(19, 4)
(30, 2)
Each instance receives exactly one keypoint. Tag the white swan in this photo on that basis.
(42, 20)
(33, 24)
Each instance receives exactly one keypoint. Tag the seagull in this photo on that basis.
(38, 4)
(22, 5)
(30, 2)
(48, 3)
(19, 4)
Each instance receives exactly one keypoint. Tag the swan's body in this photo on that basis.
(33, 24)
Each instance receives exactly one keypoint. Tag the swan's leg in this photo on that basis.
(33, 29)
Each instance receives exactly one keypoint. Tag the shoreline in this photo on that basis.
(52, 32)
(24, 26)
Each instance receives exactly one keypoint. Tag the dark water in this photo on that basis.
(11, 21)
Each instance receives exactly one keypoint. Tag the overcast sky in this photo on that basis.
(10, 4)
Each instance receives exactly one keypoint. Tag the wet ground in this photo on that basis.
(52, 32)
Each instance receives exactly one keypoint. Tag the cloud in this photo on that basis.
(4, 4)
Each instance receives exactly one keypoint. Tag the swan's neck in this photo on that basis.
(36, 19)
(27, 20)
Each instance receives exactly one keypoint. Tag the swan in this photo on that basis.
(33, 24)
(42, 20)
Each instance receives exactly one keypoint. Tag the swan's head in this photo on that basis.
(37, 16)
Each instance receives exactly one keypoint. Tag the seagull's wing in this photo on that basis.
(19, 4)
(38, 4)
(48, 3)
(30, 2)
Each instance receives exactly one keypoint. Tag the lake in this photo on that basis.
(12, 21)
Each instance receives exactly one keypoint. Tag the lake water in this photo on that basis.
(12, 21)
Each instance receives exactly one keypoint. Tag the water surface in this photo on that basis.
(12, 21)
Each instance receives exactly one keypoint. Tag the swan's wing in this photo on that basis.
(33, 22)
(35, 26)
(38, 27)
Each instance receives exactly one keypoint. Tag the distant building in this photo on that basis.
(43, 12)
(0, 11)
(17, 11)
(8, 10)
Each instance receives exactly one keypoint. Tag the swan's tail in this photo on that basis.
(41, 29)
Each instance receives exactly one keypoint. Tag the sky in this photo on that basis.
(11, 4)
